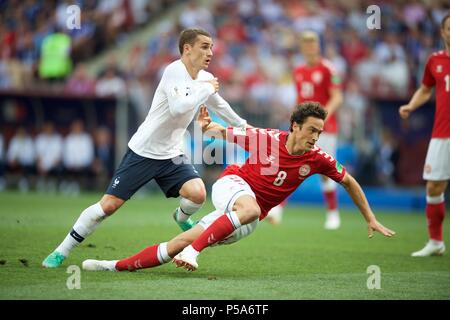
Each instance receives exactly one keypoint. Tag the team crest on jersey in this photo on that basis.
(317, 76)
(116, 182)
(439, 68)
(304, 170)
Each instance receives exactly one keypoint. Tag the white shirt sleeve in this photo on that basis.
(181, 95)
(223, 109)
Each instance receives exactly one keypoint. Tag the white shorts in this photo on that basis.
(225, 192)
(437, 163)
(328, 143)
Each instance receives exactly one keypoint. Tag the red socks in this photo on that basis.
(217, 231)
(331, 199)
(435, 218)
(147, 258)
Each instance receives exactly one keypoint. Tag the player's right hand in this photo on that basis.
(376, 226)
(215, 83)
(405, 111)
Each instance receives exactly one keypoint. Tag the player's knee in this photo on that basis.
(110, 204)
(194, 190)
(249, 214)
(197, 195)
(435, 189)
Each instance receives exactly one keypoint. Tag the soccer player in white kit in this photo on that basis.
(155, 150)
(437, 164)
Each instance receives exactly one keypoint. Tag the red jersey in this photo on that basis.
(437, 73)
(273, 173)
(314, 83)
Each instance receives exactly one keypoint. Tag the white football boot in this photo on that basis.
(432, 248)
(333, 221)
(275, 215)
(99, 265)
(187, 258)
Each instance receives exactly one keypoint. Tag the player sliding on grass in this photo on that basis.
(279, 162)
(154, 150)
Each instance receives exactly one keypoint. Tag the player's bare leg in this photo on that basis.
(193, 195)
(333, 220)
(245, 211)
(435, 212)
(86, 224)
(150, 257)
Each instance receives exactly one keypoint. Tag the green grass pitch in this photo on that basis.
(295, 260)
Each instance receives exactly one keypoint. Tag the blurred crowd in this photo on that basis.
(48, 161)
(37, 46)
(256, 47)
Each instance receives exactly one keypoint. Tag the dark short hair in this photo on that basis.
(444, 19)
(190, 36)
(305, 110)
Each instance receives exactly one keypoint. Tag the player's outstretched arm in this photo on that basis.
(209, 127)
(421, 96)
(357, 194)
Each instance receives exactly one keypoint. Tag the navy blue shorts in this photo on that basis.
(135, 171)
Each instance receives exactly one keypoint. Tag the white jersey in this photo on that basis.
(175, 103)
(49, 150)
(21, 149)
(78, 151)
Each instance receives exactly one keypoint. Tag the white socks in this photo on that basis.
(436, 200)
(328, 185)
(436, 242)
(186, 209)
(162, 254)
(88, 221)
(234, 219)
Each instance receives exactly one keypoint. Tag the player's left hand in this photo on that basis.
(376, 226)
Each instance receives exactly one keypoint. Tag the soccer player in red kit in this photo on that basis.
(317, 80)
(279, 162)
(437, 164)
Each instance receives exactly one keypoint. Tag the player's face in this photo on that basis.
(200, 53)
(308, 133)
(445, 32)
(310, 48)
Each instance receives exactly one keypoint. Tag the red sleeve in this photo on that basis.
(428, 80)
(331, 168)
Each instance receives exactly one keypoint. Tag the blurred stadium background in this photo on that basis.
(97, 90)
(114, 61)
